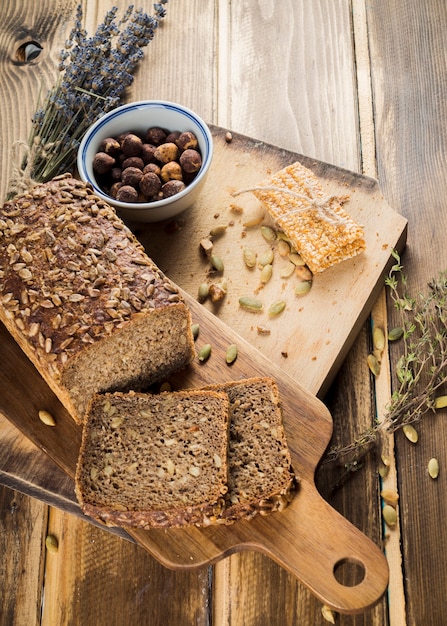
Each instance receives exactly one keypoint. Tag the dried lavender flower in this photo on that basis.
(94, 75)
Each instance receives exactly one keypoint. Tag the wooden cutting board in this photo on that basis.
(305, 346)
(309, 538)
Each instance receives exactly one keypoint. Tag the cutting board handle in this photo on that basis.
(315, 543)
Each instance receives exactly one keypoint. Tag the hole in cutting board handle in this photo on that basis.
(349, 572)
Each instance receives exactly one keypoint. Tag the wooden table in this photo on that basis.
(359, 85)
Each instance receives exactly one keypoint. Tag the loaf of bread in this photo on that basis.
(260, 475)
(83, 300)
(154, 460)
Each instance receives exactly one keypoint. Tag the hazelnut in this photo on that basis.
(131, 145)
(109, 145)
(191, 161)
(126, 193)
(150, 184)
(115, 173)
(133, 161)
(172, 187)
(156, 135)
(166, 152)
(131, 176)
(173, 136)
(103, 163)
(114, 188)
(147, 153)
(187, 140)
(152, 167)
(171, 171)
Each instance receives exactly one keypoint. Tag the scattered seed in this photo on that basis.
(303, 272)
(231, 354)
(328, 614)
(440, 402)
(251, 304)
(303, 287)
(51, 544)
(296, 259)
(266, 273)
(203, 292)
(433, 468)
(47, 418)
(218, 231)
(217, 263)
(378, 338)
(395, 333)
(255, 221)
(276, 308)
(283, 247)
(268, 233)
(266, 258)
(410, 433)
(389, 496)
(249, 257)
(287, 270)
(373, 364)
(389, 514)
(195, 329)
(204, 352)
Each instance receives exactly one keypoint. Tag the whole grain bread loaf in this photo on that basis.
(260, 475)
(154, 460)
(83, 300)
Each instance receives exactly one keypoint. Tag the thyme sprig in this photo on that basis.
(94, 75)
(421, 369)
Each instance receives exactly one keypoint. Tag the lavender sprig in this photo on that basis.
(94, 75)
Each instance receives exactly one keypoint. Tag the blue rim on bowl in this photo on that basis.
(97, 132)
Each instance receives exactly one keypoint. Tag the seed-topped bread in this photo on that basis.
(83, 300)
(260, 475)
(154, 460)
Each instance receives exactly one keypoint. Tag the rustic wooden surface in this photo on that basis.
(357, 84)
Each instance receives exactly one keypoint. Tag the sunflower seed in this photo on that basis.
(378, 338)
(389, 514)
(51, 544)
(47, 418)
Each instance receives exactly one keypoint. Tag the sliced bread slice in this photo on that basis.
(154, 460)
(260, 475)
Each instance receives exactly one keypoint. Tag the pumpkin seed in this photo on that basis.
(218, 231)
(217, 263)
(268, 233)
(249, 257)
(373, 364)
(266, 258)
(303, 272)
(231, 354)
(433, 468)
(389, 514)
(255, 221)
(390, 496)
(303, 287)
(276, 308)
(296, 259)
(283, 247)
(204, 352)
(195, 329)
(51, 544)
(47, 418)
(251, 304)
(328, 614)
(378, 338)
(440, 402)
(287, 270)
(410, 433)
(395, 333)
(266, 273)
(203, 292)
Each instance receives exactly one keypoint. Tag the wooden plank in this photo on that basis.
(407, 45)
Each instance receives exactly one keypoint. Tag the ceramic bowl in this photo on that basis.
(138, 117)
